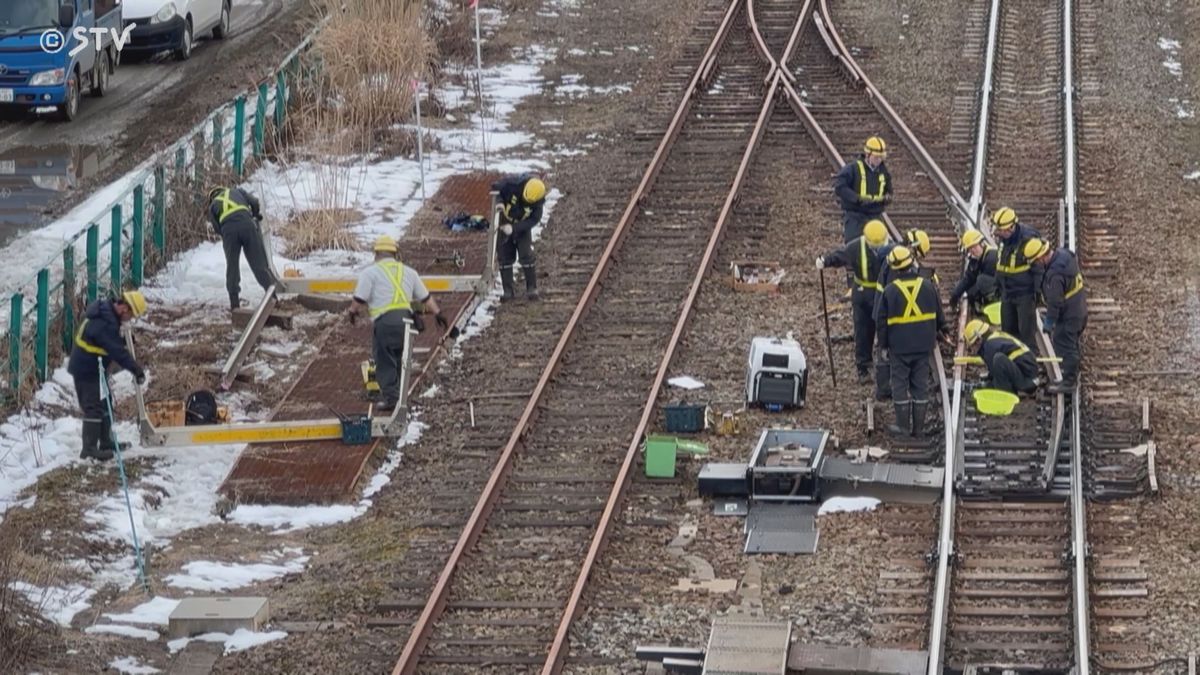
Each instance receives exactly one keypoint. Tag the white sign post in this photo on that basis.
(416, 85)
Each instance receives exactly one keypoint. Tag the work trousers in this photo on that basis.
(508, 248)
(387, 348)
(982, 293)
(97, 425)
(910, 377)
(1018, 317)
(863, 305)
(852, 225)
(238, 237)
(1066, 338)
(1008, 376)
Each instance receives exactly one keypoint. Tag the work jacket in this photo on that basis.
(999, 342)
(1018, 278)
(908, 315)
(233, 206)
(99, 336)
(1062, 288)
(863, 190)
(522, 215)
(865, 264)
(983, 266)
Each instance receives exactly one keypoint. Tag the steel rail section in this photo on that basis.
(554, 661)
(422, 629)
(760, 45)
(248, 338)
(985, 107)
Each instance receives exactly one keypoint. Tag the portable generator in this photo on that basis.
(777, 376)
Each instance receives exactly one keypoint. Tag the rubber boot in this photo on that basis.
(506, 282)
(531, 291)
(918, 418)
(234, 302)
(903, 425)
(91, 441)
(106, 438)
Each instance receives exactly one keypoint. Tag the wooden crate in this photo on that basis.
(165, 413)
(755, 276)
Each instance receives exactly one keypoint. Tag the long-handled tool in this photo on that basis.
(828, 340)
(106, 394)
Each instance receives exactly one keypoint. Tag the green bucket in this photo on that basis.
(662, 451)
(995, 401)
(992, 312)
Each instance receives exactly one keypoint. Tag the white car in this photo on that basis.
(174, 25)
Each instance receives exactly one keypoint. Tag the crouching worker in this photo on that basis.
(387, 289)
(522, 199)
(1012, 367)
(98, 343)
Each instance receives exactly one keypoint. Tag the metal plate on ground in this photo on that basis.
(887, 481)
(747, 647)
(730, 507)
(781, 528)
(827, 660)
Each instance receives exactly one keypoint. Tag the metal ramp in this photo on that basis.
(886, 481)
(829, 660)
(781, 528)
(747, 647)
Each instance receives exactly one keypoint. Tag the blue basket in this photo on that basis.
(356, 430)
(684, 418)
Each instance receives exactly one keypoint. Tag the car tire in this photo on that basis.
(184, 52)
(221, 31)
(102, 73)
(68, 110)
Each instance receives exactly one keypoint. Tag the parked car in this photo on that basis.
(33, 76)
(174, 25)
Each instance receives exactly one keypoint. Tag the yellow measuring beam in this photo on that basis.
(978, 361)
(253, 433)
(435, 284)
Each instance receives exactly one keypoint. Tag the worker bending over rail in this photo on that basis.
(917, 242)
(1019, 281)
(522, 199)
(864, 256)
(387, 290)
(1011, 365)
(235, 215)
(978, 282)
(98, 343)
(909, 320)
(1066, 306)
(864, 188)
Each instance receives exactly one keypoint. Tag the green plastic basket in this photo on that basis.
(995, 401)
(992, 312)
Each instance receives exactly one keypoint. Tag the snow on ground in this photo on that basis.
(239, 640)
(156, 612)
(131, 666)
(126, 631)
(847, 505)
(206, 575)
(60, 605)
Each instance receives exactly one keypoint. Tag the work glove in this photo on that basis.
(352, 316)
(139, 376)
(441, 321)
(885, 354)
(418, 324)
(1047, 324)
(820, 262)
(507, 230)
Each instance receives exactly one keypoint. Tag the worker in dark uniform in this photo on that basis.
(864, 188)
(909, 319)
(918, 244)
(387, 290)
(98, 343)
(1019, 281)
(1011, 365)
(978, 282)
(1066, 306)
(235, 215)
(862, 256)
(522, 199)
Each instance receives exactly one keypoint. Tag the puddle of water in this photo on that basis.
(33, 178)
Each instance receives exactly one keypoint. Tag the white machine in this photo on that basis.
(777, 375)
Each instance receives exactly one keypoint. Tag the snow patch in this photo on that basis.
(57, 604)
(206, 575)
(847, 505)
(126, 631)
(131, 666)
(156, 612)
(685, 382)
(241, 639)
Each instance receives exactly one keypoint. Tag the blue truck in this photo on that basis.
(37, 69)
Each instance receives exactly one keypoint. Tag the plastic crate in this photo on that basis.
(686, 418)
(356, 430)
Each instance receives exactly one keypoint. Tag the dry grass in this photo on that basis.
(24, 632)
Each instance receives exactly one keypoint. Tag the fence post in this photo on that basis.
(139, 238)
(260, 121)
(14, 345)
(180, 160)
(218, 146)
(93, 262)
(198, 167)
(68, 287)
(114, 261)
(160, 208)
(280, 101)
(239, 135)
(41, 349)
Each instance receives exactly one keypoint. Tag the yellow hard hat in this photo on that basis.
(900, 258)
(1004, 218)
(1035, 248)
(213, 192)
(919, 241)
(535, 190)
(136, 302)
(875, 146)
(385, 244)
(971, 237)
(976, 328)
(875, 233)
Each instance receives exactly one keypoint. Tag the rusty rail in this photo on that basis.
(436, 604)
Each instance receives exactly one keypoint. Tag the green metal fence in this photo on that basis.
(113, 248)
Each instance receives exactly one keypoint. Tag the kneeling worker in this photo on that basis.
(978, 282)
(1066, 306)
(235, 214)
(1011, 366)
(909, 320)
(521, 199)
(387, 290)
(98, 343)
(862, 255)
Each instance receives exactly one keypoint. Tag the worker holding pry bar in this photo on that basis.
(387, 290)
(522, 199)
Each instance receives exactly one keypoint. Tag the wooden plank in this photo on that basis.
(960, 627)
(1014, 576)
(1119, 576)
(976, 563)
(997, 593)
(1120, 593)
(992, 532)
(1011, 506)
(1012, 646)
(1119, 613)
(1011, 611)
(403, 603)
(903, 611)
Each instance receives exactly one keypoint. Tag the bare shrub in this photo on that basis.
(25, 633)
